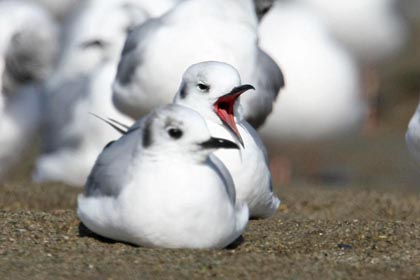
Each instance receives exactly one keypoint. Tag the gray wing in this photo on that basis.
(257, 139)
(225, 175)
(59, 102)
(271, 76)
(131, 55)
(269, 82)
(261, 145)
(109, 174)
(262, 7)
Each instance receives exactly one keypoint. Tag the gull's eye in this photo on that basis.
(175, 133)
(203, 87)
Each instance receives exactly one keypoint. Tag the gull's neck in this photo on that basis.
(205, 109)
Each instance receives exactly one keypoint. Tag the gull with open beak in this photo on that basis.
(157, 186)
(224, 108)
(212, 88)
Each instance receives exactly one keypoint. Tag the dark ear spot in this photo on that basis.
(183, 91)
(128, 29)
(109, 144)
(93, 43)
(147, 134)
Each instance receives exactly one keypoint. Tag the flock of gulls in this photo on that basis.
(160, 109)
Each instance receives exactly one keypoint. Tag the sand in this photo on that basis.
(364, 225)
(318, 233)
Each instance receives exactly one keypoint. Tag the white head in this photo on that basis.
(176, 130)
(212, 88)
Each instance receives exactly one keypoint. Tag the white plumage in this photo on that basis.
(249, 166)
(322, 99)
(372, 30)
(158, 187)
(157, 53)
(28, 46)
(82, 84)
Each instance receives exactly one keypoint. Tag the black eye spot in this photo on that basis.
(175, 133)
(203, 87)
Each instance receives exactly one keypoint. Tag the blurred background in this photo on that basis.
(377, 157)
(373, 158)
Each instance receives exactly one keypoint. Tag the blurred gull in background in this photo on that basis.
(63, 8)
(60, 9)
(157, 53)
(412, 136)
(81, 84)
(157, 186)
(28, 48)
(373, 31)
(322, 99)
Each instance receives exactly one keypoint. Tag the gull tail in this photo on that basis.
(118, 126)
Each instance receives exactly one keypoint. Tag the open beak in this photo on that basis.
(216, 143)
(224, 108)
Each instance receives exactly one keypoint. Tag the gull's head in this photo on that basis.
(212, 88)
(177, 130)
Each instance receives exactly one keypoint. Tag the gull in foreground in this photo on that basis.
(157, 53)
(158, 186)
(212, 88)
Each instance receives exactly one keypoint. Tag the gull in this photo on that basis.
(211, 88)
(373, 31)
(157, 186)
(412, 137)
(28, 43)
(322, 100)
(72, 138)
(28, 48)
(156, 54)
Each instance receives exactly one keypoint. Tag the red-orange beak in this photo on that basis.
(224, 108)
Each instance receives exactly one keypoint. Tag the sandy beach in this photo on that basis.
(363, 225)
(316, 234)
